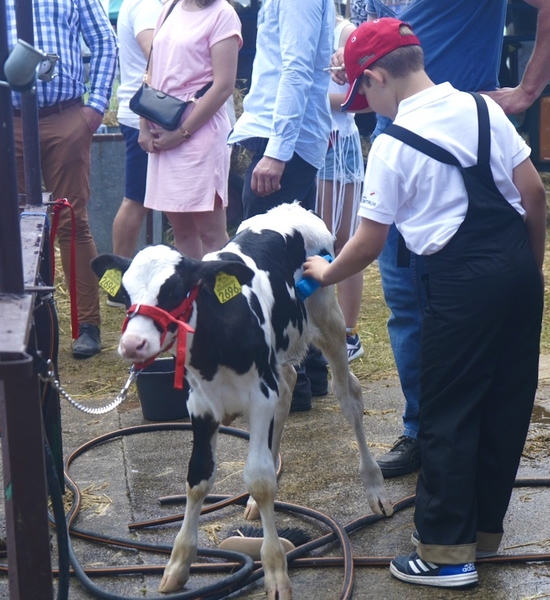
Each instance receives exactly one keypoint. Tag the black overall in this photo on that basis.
(479, 364)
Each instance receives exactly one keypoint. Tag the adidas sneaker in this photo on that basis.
(355, 349)
(413, 569)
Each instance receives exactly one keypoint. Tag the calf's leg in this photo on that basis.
(329, 335)
(282, 408)
(200, 479)
(261, 481)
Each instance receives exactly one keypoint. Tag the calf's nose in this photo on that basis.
(133, 347)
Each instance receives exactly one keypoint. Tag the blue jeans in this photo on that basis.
(405, 296)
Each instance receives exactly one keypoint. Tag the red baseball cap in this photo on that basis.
(368, 43)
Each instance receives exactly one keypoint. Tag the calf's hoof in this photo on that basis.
(171, 582)
(251, 510)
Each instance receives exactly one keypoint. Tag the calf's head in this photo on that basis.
(160, 277)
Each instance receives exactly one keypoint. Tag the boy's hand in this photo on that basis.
(315, 267)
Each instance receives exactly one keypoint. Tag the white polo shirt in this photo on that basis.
(425, 198)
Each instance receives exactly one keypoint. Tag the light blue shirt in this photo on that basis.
(288, 100)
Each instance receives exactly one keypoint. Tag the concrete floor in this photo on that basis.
(125, 477)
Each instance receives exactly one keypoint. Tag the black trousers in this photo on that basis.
(479, 372)
(298, 182)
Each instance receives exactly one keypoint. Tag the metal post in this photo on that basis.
(11, 265)
(29, 572)
(25, 491)
(29, 112)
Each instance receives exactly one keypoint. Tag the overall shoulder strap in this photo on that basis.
(422, 145)
(484, 130)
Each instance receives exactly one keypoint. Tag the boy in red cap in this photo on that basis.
(456, 178)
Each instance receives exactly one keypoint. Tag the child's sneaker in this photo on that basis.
(116, 301)
(412, 569)
(355, 350)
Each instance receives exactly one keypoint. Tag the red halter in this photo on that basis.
(180, 316)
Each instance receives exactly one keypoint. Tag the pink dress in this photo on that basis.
(187, 178)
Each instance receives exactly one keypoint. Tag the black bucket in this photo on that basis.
(160, 401)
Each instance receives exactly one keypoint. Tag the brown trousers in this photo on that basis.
(65, 151)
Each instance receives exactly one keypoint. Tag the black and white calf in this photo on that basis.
(249, 331)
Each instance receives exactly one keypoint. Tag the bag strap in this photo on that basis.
(172, 6)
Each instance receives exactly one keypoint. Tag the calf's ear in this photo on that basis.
(104, 262)
(210, 269)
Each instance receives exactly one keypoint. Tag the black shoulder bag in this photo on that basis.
(158, 107)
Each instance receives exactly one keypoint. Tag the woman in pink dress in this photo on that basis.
(188, 168)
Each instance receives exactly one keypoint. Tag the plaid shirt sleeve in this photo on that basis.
(59, 27)
(100, 38)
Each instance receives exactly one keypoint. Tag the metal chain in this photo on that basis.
(50, 377)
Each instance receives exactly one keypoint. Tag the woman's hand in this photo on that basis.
(145, 138)
(337, 62)
(166, 140)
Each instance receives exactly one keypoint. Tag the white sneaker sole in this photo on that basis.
(114, 304)
(453, 581)
(357, 354)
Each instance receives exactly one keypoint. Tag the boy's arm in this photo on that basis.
(364, 247)
(533, 200)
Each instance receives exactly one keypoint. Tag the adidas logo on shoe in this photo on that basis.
(413, 569)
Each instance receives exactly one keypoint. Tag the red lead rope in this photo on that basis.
(59, 205)
(180, 316)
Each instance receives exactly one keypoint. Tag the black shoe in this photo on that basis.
(316, 370)
(403, 458)
(319, 388)
(88, 342)
(301, 396)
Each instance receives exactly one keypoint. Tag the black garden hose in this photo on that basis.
(243, 570)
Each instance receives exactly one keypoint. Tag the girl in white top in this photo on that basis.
(339, 191)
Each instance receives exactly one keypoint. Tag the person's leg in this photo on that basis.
(65, 148)
(129, 218)
(405, 296)
(460, 348)
(507, 411)
(197, 234)
(350, 290)
(127, 227)
(212, 227)
(186, 237)
(469, 339)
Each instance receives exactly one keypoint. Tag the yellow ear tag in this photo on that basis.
(111, 281)
(226, 287)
